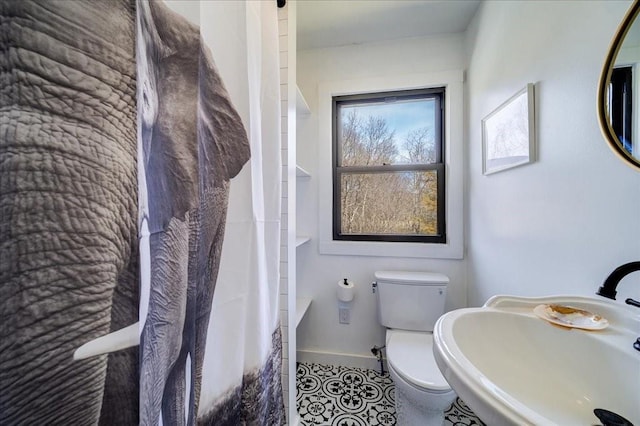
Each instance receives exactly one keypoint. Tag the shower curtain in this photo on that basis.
(210, 344)
(139, 292)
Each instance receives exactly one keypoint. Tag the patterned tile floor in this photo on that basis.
(331, 395)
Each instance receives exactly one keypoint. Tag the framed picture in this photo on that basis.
(508, 133)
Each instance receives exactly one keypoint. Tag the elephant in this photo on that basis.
(68, 209)
(193, 142)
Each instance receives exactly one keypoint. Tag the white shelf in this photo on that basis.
(301, 239)
(300, 172)
(302, 306)
(302, 107)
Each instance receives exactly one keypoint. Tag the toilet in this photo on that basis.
(409, 304)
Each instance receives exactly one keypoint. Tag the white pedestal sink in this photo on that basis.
(514, 368)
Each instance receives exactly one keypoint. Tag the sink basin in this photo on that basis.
(514, 368)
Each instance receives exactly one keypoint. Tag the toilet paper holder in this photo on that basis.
(345, 290)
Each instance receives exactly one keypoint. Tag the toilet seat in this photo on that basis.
(410, 353)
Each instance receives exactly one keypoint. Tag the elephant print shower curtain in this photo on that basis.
(139, 213)
(68, 205)
(210, 348)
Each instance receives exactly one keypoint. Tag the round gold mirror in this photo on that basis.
(619, 90)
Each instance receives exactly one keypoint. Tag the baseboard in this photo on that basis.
(296, 421)
(346, 360)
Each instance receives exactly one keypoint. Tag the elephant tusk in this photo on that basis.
(118, 340)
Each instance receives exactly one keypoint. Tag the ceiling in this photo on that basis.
(327, 23)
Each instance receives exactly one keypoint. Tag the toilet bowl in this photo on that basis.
(422, 393)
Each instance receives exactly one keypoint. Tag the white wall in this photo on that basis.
(317, 274)
(563, 223)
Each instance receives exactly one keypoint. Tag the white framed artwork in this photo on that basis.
(508, 133)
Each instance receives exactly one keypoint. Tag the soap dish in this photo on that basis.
(568, 316)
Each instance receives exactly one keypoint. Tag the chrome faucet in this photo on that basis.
(608, 288)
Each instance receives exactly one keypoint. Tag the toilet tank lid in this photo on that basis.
(412, 277)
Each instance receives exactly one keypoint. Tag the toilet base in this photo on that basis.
(416, 407)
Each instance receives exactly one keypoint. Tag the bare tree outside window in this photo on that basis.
(389, 174)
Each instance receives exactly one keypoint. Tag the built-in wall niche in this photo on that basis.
(302, 109)
(302, 239)
(302, 178)
(302, 175)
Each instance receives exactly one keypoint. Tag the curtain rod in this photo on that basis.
(281, 3)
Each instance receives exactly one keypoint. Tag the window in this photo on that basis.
(621, 105)
(388, 166)
(452, 157)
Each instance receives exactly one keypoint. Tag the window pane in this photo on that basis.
(377, 133)
(399, 203)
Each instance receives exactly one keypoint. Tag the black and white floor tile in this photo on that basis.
(330, 395)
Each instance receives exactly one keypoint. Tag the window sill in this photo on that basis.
(387, 249)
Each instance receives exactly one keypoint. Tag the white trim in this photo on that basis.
(453, 248)
(345, 360)
(296, 420)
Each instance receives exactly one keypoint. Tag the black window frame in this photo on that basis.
(437, 93)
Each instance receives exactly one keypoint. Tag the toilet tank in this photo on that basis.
(410, 300)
